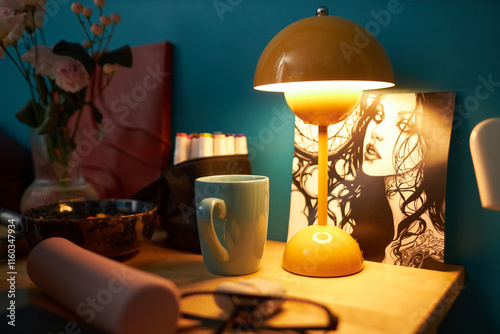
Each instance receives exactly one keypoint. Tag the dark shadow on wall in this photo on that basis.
(16, 172)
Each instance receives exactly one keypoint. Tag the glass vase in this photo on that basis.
(58, 172)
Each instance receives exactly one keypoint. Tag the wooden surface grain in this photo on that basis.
(380, 299)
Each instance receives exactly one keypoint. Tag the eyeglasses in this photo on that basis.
(218, 312)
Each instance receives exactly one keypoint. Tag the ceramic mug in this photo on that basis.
(232, 215)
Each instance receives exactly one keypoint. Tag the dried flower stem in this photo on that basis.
(85, 31)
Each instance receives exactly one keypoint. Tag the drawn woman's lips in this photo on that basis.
(372, 153)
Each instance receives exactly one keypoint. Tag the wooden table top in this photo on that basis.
(380, 299)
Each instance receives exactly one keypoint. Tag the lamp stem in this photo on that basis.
(322, 175)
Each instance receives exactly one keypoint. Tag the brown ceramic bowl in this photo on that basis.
(128, 223)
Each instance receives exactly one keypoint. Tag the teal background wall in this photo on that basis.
(434, 46)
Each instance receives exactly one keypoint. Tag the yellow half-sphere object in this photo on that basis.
(322, 104)
(326, 49)
(322, 251)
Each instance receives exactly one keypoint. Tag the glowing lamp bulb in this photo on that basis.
(322, 104)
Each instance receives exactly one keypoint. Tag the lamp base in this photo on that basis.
(322, 251)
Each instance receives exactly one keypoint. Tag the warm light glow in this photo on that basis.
(322, 237)
(363, 84)
(65, 208)
(322, 104)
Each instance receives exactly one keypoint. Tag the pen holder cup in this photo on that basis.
(175, 197)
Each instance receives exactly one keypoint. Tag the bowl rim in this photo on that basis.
(151, 211)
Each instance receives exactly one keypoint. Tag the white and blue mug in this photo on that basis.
(232, 213)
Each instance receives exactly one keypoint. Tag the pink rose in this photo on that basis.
(71, 75)
(46, 61)
(20, 4)
(39, 3)
(11, 29)
(35, 19)
(7, 12)
(14, 4)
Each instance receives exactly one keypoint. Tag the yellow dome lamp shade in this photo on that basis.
(322, 64)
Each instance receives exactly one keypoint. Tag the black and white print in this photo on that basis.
(387, 176)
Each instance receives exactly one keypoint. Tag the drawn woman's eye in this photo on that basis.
(380, 114)
(406, 126)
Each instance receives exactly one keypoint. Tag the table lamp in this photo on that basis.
(322, 64)
(484, 141)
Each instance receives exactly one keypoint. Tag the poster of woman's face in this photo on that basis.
(387, 176)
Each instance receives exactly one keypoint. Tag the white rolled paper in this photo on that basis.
(104, 293)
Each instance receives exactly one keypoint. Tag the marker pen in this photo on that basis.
(181, 152)
(240, 144)
(229, 143)
(205, 145)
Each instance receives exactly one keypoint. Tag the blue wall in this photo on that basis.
(445, 45)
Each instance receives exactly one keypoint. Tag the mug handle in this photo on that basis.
(206, 226)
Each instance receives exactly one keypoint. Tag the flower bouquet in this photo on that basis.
(58, 77)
